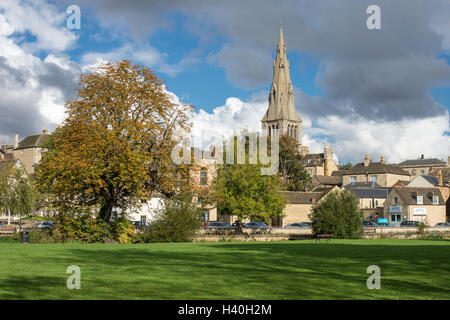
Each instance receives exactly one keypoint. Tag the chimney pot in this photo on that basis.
(16, 141)
(382, 160)
(366, 160)
(45, 131)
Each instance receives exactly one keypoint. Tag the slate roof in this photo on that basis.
(338, 173)
(328, 180)
(421, 162)
(431, 179)
(445, 174)
(375, 168)
(409, 195)
(371, 193)
(297, 197)
(33, 141)
(358, 185)
(313, 159)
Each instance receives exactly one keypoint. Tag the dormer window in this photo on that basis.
(353, 179)
(374, 178)
(419, 200)
(395, 201)
(435, 200)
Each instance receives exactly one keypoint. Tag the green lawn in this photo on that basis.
(410, 269)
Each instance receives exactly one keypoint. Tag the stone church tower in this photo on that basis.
(281, 118)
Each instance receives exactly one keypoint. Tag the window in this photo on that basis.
(435, 200)
(310, 171)
(353, 179)
(422, 172)
(203, 176)
(143, 218)
(374, 178)
(395, 201)
(414, 172)
(419, 200)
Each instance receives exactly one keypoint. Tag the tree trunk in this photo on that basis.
(106, 211)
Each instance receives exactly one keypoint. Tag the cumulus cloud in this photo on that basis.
(33, 90)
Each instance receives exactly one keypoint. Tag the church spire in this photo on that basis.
(281, 97)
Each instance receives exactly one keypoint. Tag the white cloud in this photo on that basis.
(147, 55)
(351, 138)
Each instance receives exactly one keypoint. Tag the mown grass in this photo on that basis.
(410, 269)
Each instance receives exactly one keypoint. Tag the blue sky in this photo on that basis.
(352, 84)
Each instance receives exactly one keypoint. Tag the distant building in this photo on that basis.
(416, 204)
(371, 197)
(321, 164)
(422, 166)
(300, 204)
(29, 151)
(386, 175)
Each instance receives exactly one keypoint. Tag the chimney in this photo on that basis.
(16, 141)
(422, 157)
(448, 161)
(313, 200)
(45, 131)
(382, 160)
(439, 174)
(366, 160)
(304, 150)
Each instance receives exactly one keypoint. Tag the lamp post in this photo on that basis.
(20, 205)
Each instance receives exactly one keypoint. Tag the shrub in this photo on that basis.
(338, 214)
(82, 227)
(177, 221)
(122, 230)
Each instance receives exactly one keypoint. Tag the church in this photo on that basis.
(282, 118)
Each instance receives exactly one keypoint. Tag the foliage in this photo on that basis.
(114, 147)
(346, 166)
(80, 225)
(295, 177)
(14, 197)
(422, 228)
(122, 230)
(177, 221)
(241, 190)
(338, 214)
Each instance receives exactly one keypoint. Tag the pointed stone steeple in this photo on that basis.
(281, 116)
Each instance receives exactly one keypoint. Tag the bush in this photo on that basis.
(177, 221)
(84, 228)
(122, 230)
(338, 214)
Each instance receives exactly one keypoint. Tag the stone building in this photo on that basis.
(422, 166)
(281, 117)
(415, 204)
(386, 175)
(320, 164)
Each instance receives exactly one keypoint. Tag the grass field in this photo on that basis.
(410, 269)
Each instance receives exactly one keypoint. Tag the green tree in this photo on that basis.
(14, 197)
(114, 147)
(294, 175)
(241, 190)
(346, 166)
(338, 214)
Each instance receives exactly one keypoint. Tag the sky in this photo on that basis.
(380, 92)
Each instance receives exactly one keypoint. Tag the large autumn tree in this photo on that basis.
(114, 147)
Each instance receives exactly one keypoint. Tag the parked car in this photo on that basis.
(218, 225)
(45, 225)
(141, 224)
(297, 225)
(409, 224)
(442, 225)
(256, 225)
(369, 223)
(307, 224)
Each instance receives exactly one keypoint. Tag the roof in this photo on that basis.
(33, 141)
(375, 167)
(338, 173)
(421, 162)
(445, 174)
(409, 195)
(328, 180)
(431, 179)
(361, 185)
(313, 159)
(296, 197)
(371, 193)
(308, 197)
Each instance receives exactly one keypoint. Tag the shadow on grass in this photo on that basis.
(242, 271)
